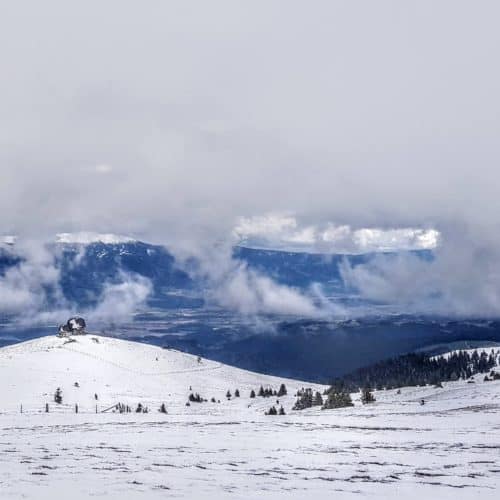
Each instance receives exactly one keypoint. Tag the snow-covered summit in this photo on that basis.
(87, 237)
(120, 371)
(8, 239)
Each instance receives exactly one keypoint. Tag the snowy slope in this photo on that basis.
(489, 350)
(119, 371)
(448, 448)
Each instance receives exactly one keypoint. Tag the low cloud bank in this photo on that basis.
(232, 284)
(462, 279)
(31, 291)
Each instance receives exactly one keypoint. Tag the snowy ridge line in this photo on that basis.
(140, 372)
(470, 351)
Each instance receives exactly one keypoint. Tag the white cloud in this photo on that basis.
(233, 285)
(284, 232)
(252, 294)
(461, 280)
(120, 300)
(369, 121)
(31, 290)
(25, 288)
(103, 168)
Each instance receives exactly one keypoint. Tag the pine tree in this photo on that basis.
(317, 400)
(163, 408)
(252, 393)
(282, 411)
(228, 394)
(236, 393)
(367, 396)
(271, 411)
(304, 399)
(282, 390)
(261, 391)
(337, 398)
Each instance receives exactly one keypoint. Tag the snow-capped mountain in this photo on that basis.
(87, 237)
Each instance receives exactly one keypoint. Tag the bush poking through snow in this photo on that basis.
(58, 396)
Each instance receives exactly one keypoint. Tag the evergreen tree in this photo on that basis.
(228, 394)
(163, 408)
(252, 393)
(304, 399)
(418, 369)
(282, 390)
(261, 391)
(282, 411)
(367, 396)
(195, 398)
(337, 398)
(236, 393)
(317, 400)
(271, 411)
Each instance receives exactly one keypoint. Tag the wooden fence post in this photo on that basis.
(46, 407)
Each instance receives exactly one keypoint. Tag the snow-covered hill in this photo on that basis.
(447, 448)
(119, 371)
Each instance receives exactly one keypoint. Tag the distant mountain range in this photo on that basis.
(85, 268)
(178, 315)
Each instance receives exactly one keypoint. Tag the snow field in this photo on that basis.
(447, 448)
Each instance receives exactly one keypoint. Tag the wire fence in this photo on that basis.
(65, 408)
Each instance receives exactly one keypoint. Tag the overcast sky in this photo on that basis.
(175, 119)
(335, 125)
